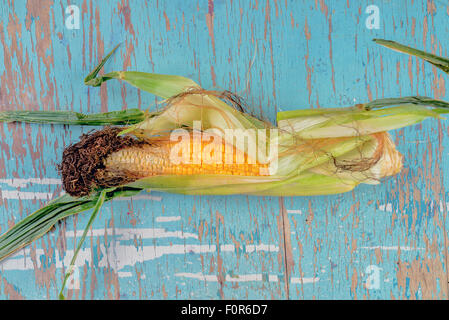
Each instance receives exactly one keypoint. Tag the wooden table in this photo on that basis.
(386, 241)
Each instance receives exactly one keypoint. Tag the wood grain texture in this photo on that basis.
(279, 55)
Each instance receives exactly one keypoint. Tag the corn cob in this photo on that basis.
(154, 159)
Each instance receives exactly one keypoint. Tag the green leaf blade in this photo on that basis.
(122, 117)
(439, 62)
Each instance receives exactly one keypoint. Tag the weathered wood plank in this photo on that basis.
(279, 55)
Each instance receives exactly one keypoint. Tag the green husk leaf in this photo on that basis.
(439, 62)
(164, 86)
(98, 205)
(435, 105)
(91, 77)
(209, 111)
(304, 184)
(161, 85)
(41, 221)
(122, 117)
(308, 184)
(206, 184)
(439, 105)
(362, 120)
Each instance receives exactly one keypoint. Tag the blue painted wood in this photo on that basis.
(279, 55)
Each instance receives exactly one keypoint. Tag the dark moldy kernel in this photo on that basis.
(82, 168)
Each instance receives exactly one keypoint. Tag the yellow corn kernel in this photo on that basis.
(154, 159)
